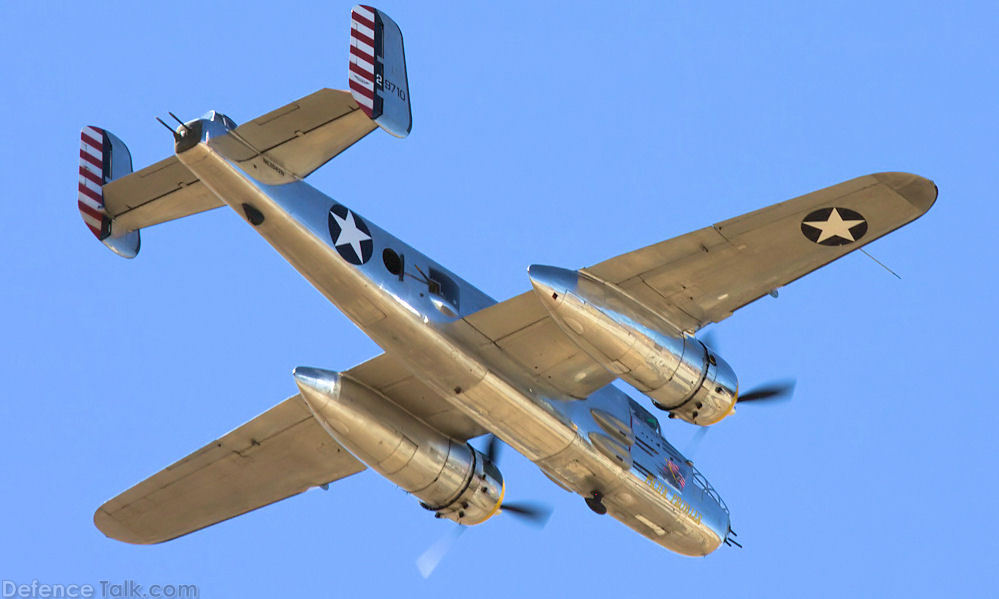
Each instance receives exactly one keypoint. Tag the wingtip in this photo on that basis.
(114, 529)
(918, 191)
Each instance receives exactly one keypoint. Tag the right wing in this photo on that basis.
(704, 276)
(280, 453)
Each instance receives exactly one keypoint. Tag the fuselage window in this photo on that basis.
(643, 415)
(443, 286)
(393, 262)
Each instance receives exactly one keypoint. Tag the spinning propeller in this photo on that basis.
(776, 390)
(779, 390)
(535, 514)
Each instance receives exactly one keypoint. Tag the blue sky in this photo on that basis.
(552, 134)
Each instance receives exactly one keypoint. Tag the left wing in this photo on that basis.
(706, 275)
(280, 453)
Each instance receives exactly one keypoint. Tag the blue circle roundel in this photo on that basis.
(351, 236)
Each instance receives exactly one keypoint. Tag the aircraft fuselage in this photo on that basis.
(413, 308)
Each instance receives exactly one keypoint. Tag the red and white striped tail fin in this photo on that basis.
(103, 158)
(91, 197)
(361, 74)
(377, 70)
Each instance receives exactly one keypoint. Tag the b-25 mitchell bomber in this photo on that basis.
(534, 370)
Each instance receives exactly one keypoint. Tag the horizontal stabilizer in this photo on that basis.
(279, 147)
(280, 453)
(161, 192)
(116, 203)
(301, 136)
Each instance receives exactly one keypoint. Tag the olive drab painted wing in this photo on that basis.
(280, 453)
(704, 276)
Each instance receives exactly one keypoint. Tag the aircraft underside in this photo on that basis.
(534, 370)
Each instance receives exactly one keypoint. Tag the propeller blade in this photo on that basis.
(531, 513)
(772, 391)
(428, 562)
(493, 448)
(695, 441)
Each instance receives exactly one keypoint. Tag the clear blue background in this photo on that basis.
(554, 134)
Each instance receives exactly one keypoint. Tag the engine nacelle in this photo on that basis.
(450, 478)
(679, 373)
(479, 486)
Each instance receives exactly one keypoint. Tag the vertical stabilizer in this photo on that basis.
(103, 158)
(378, 70)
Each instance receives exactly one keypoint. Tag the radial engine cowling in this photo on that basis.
(450, 478)
(679, 373)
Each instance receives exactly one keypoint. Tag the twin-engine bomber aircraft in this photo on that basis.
(534, 370)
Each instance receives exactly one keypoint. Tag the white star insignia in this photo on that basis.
(350, 234)
(834, 226)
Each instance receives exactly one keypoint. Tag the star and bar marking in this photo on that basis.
(834, 226)
(351, 236)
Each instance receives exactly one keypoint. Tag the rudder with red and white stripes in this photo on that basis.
(377, 70)
(103, 158)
